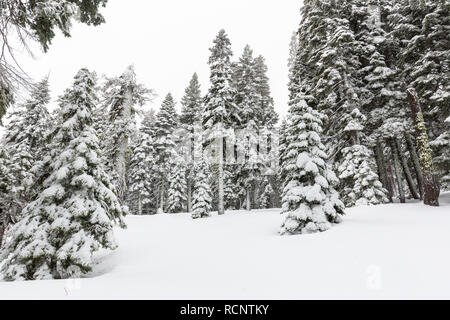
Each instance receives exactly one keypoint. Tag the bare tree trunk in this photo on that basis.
(398, 176)
(248, 203)
(430, 182)
(416, 162)
(382, 172)
(221, 205)
(406, 171)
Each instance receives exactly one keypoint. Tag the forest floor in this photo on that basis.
(383, 252)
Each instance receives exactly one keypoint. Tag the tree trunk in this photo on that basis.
(406, 171)
(189, 194)
(416, 162)
(248, 202)
(140, 204)
(120, 161)
(255, 196)
(430, 182)
(2, 232)
(382, 172)
(398, 176)
(161, 199)
(221, 205)
(391, 176)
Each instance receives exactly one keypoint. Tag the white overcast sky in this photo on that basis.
(168, 40)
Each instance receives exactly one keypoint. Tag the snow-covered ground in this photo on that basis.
(389, 251)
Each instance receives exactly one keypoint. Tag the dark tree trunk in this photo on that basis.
(398, 176)
(390, 172)
(2, 228)
(189, 194)
(2, 231)
(406, 171)
(416, 162)
(430, 182)
(382, 173)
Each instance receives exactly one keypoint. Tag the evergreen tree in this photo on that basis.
(202, 192)
(123, 96)
(73, 216)
(265, 198)
(164, 143)
(310, 202)
(191, 114)
(421, 30)
(141, 177)
(176, 193)
(266, 114)
(247, 99)
(220, 109)
(359, 183)
(293, 49)
(25, 141)
(6, 193)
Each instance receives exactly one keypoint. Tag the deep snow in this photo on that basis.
(389, 251)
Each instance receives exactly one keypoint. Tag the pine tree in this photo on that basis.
(176, 193)
(73, 216)
(310, 202)
(442, 161)
(266, 114)
(6, 193)
(25, 141)
(421, 29)
(359, 183)
(265, 198)
(201, 201)
(123, 96)
(141, 177)
(164, 143)
(247, 99)
(220, 110)
(293, 49)
(191, 115)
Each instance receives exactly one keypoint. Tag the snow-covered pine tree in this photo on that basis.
(442, 161)
(250, 106)
(6, 183)
(202, 197)
(293, 49)
(122, 95)
(220, 109)
(25, 140)
(310, 202)
(176, 193)
(266, 114)
(264, 200)
(191, 114)
(74, 214)
(421, 28)
(164, 144)
(140, 172)
(359, 183)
